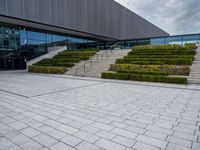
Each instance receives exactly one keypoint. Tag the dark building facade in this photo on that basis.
(28, 27)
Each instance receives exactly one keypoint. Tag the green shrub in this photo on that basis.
(54, 64)
(74, 60)
(76, 57)
(147, 78)
(190, 45)
(77, 53)
(50, 70)
(161, 56)
(164, 79)
(122, 61)
(172, 61)
(165, 47)
(163, 52)
(60, 60)
(120, 76)
(161, 73)
(86, 49)
(170, 69)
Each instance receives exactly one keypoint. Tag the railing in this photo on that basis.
(99, 56)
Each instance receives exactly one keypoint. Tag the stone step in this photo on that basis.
(97, 67)
(193, 82)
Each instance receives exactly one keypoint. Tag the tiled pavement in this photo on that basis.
(43, 113)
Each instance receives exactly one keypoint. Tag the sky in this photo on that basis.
(173, 16)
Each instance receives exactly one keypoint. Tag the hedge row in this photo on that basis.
(170, 69)
(55, 64)
(163, 52)
(75, 57)
(76, 53)
(50, 60)
(166, 47)
(161, 73)
(161, 56)
(87, 49)
(148, 78)
(140, 62)
(190, 45)
(170, 61)
(50, 70)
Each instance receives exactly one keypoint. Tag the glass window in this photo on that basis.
(36, 36)
(129, 44)
(23, 34)
(36, 42)
(23, 42)
(191, 39)
(77, 40)
(174, 40)
(49, 38)
(58, 38)
(143, 42)
(1, 43)
(158, 41)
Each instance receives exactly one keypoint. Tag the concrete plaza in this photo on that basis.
(46, 112)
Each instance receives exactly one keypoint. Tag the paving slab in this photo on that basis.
(63, 112)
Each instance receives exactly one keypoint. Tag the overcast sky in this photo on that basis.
(173, 16)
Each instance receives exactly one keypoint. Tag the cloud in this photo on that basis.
(173, 16)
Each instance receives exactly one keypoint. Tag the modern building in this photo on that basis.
(29, 27)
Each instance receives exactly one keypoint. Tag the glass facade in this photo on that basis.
(180, 39)
(29, 43)
(19, 44)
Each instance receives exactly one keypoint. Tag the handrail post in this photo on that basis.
(84, 68)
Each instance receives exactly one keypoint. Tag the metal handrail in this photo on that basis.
(91, 61)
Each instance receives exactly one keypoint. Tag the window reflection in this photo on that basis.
(36, 36)
(158, 41)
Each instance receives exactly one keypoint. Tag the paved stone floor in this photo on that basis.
(39, 112)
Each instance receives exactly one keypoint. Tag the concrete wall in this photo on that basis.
(100, 17)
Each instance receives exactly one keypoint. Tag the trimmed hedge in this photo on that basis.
(162, 52)
(76, 53)
(140, 62)
(76, 57)
(55, 64)
(190, 45)
(166, 47)
(161, 56)
(164, 79)
(60, 60)
(170, 69)
(74, 60)
(170, 61)
(119, 76)
(148, 78)
(161, 73)
(50, 70)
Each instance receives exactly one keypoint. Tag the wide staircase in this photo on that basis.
(98, 63)
(194, 76)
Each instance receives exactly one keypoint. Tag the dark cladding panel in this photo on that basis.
(98, 17)
(30, 9)
(15, 8)
(55, 12)
(44, 11)
(74, 14)
(65, 13)
(2, 6)
(82, 15)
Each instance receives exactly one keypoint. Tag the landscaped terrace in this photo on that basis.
(61, 63)
(158, 63)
